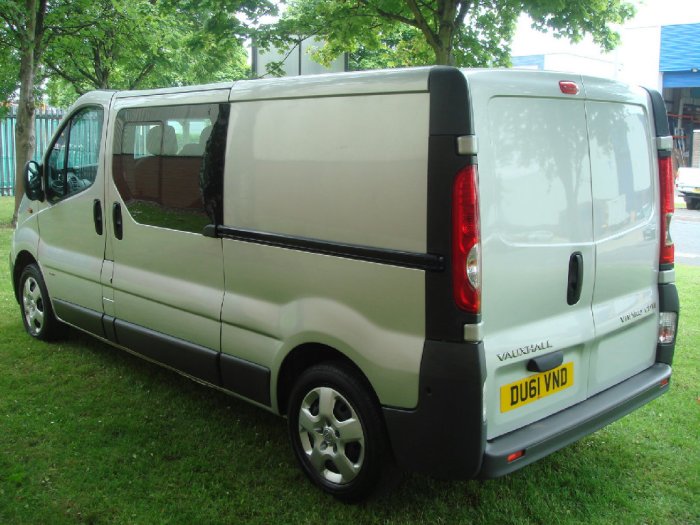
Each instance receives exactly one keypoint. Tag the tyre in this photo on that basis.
(692, 204)
(337, 431)
(37, 313)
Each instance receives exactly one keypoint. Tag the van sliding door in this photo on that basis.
(168, 277)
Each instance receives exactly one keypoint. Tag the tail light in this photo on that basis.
(466, 241)
(666, 255)
(667, 327)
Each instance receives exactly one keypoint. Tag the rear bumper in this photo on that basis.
(559, 430)
(445, 435)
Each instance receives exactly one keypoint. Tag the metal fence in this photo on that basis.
(46, 122)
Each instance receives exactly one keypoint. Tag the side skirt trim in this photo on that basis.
(79, 316)
(192, 359)
(243, 378)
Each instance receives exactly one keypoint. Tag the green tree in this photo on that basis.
(87, 44)
(9, 73)
(141, 44)
(458, 32)
(22, 34)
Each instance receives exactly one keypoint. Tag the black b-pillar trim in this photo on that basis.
(450, 117)
(445, 435)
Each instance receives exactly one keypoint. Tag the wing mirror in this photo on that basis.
(32, 181)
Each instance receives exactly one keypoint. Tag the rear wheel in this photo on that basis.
(336, 431)
(692, 204)
(37, 313)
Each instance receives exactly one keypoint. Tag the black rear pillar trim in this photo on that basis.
(449, 414)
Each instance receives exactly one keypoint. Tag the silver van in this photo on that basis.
(453, 271)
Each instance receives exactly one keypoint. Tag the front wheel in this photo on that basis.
(37, 313)
(337, 432)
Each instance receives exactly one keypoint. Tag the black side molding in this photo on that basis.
(187, 357)
(108, 327)
(420, 261)
(84, 318)
(236, 375)
(245, 378)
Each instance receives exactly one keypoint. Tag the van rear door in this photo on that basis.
(568, 186)
(537, 240)
(625, 231)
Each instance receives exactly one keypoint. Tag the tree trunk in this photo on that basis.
(443, 56)
(24, 128)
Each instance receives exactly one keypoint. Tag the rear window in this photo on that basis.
(621, 166)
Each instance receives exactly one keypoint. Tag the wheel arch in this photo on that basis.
(23, 259)
(303, 357)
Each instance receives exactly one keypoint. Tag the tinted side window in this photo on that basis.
(74, 155)
(162, 164)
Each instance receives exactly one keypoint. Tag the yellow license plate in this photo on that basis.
(520, 393)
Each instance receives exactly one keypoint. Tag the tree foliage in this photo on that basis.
(9, 73)
(72, 46)
(143, 43)
(23, 29)
(460, 32)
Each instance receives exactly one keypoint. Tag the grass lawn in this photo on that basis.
(90, 434)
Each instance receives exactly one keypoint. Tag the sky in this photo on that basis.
(649, 13)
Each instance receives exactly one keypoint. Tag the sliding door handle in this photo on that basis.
(117, 220)
(97, 216)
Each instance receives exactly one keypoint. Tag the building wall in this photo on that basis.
(639, 55)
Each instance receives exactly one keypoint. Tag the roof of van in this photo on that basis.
(172, 90)
(412, 80)
(356, 82)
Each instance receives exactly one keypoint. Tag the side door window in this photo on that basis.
(72, 163)
(168, 164)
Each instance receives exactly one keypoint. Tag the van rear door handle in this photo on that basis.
(575, 280)
(547, 362)
(117, 220)
(97, 215)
